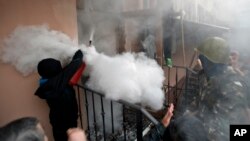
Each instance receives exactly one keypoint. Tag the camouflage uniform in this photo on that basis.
(222, 103)
(214, 50)
(223, 99)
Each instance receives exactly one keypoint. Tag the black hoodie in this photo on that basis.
(60, 96)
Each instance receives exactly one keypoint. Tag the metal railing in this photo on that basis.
(183, 83)
(109, 120)
(101, 117)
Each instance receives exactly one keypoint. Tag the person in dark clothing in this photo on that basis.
(59, 94)
(23, 129)
(178, 129)
(157, 133)
(185, 128)
(223, 99)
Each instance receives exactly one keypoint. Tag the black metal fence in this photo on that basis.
(186, 83)
(181, 86)
(109, 120)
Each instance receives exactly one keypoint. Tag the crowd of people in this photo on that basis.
(223, 100)
(30, 129)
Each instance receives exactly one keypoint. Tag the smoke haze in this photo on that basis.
(130, 77)
(26, 46)
(233, 14)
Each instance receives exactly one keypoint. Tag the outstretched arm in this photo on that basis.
(56, 85)
(166, 119)
(157, 133)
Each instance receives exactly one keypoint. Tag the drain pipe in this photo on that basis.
(182, 38)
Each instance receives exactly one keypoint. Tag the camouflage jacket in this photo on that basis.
(223, 102)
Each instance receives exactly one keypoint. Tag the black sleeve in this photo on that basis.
(71, 68)
(78, 55)
(155, 134)
(56, 85)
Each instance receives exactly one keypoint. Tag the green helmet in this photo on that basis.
(215, 49)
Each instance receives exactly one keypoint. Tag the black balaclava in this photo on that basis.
(211, 68)
(48, 68)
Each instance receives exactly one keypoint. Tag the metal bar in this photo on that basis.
(175, 66)
(139, 125)
(79, 106)
(88, 89)
(185, 68)
(183, 40)
(93, 103)
(124, 121)
(144, 111)
(186, 86)
(187, 81)
(168, 92)
(149, 116)
(112, 116)
(103, 119)
(87, 111)
(178, 88)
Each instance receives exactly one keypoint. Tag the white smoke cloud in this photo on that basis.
(130, 77)
(26, 46)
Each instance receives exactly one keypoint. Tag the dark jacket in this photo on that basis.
(60, 96)
(156, 134)
(223, 102)
(184, 128)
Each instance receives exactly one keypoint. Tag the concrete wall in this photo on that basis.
(17, 92)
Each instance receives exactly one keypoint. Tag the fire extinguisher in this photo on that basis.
(74, 79)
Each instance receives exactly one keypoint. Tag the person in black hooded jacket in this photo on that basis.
(59, 94)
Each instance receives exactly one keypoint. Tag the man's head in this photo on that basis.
(234, 58)
(215, 49)
(185, 128)
(214, 55)
(23, 129)
(48, 68)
